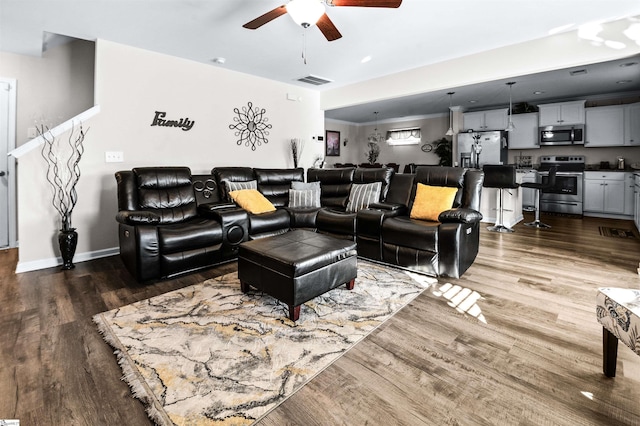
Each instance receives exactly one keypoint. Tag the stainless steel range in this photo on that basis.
(566, 194)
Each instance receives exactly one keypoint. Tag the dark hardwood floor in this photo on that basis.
(514, 341)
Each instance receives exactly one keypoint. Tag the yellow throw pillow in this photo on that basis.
(430, 201)
(252, 201)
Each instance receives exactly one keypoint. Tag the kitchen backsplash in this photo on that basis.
(592, 155)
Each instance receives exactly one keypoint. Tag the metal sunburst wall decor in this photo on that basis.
(251, 126)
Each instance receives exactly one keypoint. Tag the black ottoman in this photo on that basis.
(297, 266)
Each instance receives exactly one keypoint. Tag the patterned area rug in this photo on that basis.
(617, 233)
(209, 354)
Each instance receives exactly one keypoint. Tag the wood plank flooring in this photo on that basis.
(514, 341)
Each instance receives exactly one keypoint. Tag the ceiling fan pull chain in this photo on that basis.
(304, 47)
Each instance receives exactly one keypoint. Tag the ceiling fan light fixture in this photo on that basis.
(305, 12)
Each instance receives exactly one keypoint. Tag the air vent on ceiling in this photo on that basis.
(315, 80)
(578, 72)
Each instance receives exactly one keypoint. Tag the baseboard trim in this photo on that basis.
(52, 262)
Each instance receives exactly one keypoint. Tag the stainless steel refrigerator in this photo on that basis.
(478, 148)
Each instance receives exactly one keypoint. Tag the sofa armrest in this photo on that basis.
(460, 216)
(210, 209)
(397, 208)
(137, 217)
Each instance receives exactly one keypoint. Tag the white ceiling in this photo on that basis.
(418, 33)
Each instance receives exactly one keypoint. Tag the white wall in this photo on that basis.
(349, 153)
(56, 86)
(130, 85)
(433, 128)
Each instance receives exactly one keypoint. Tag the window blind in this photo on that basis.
(404, 136)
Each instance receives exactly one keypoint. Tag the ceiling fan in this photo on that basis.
(309, 12)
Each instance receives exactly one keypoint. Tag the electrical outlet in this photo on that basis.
(113, 157)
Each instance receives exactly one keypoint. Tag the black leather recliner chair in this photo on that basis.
(161, 233)
(443, 248)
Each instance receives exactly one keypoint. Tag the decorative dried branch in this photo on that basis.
(63, 169)
(297, 145)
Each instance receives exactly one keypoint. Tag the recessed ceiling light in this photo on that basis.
(219, 60)
(623, 81)
(538, 92)
(628, 64)
(472, 101)
(365, 59)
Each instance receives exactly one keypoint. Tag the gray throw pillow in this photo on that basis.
(301, 198)
(235, 186)
(313, 186)
(362, 195)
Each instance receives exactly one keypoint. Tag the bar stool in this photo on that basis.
(501, 177)
(540, 187)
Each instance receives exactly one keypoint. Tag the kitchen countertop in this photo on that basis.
(598, 169)
(595, 168)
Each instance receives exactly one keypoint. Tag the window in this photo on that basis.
(404, 136)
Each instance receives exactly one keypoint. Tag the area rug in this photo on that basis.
(617, 233)
(210, 355)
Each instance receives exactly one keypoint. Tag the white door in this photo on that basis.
(7, 165)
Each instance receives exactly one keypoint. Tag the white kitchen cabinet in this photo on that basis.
(525, 134)
(629, 188)
(615, 125)
(481, 121)
(604, 192)
(561, 113)
(632, 124)
(605, 126)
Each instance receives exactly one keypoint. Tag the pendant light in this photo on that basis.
(375, 137)
(510, 126)
(450, 131)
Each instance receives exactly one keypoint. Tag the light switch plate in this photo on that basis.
(113, 157)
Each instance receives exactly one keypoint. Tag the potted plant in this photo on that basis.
(373, 152)
(444, 151)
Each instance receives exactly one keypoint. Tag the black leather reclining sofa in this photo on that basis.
(171, 222)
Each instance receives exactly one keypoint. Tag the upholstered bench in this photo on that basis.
(297, 266)
(618, 311)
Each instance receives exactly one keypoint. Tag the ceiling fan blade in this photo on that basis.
(266, 18)
(366, 3)
(328, 29)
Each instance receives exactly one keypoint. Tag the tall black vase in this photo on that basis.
(68, 240)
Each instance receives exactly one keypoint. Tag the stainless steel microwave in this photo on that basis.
(561, 135)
